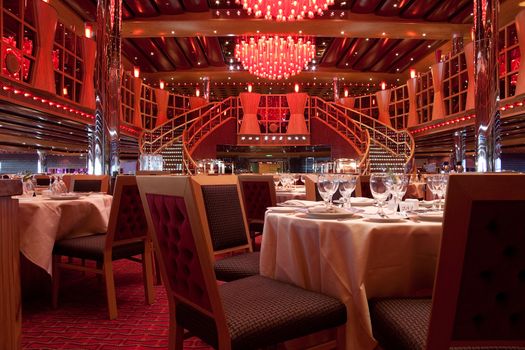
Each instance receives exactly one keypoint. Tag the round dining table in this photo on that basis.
(353, 260)
(283, 195)
(42, 221)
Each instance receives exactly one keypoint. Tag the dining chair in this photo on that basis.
(362, 188)
(221, 210)
(127, 236)
(258, 193)
(87, 183)
(312, 193)
(248, 313)
(478, 299)
(42, 180)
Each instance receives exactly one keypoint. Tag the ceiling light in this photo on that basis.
(285, 10)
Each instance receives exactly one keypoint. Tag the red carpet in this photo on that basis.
(81, 320)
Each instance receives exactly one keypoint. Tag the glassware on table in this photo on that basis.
(327, 185)
(276, 179)
(28, 188)
(58, 186)
(347, 185)
(380, 185)
(432, 184)
(440, 184)
(399, 185)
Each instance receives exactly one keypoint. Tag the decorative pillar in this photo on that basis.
(471, 92)
(206, 88)
(46, 23)
(297, 123)
(520, 28)
(87, 96)
(348, 102)
(10, 299)
(336, 89)
(413, 118)
(162, 97)
(383, 106)
(137, 91)
(460, 137)
(107, 85)
(250, 104)
(42, 161)
(488, 142)
(438, 109)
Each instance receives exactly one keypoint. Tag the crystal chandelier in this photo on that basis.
(274, 57)
(285, 10)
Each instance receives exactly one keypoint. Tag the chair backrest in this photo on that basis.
(258, 193)
(42, 180)
(479, 292)
(183, 247)
(312, 193)
(363, 187)
(127, 219)
(220, 207)
(87, 183)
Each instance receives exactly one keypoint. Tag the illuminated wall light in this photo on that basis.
(346, 92)
(197, 92)
(136, 71)
(412, 73)
(383, 85)
(296, 87)
(161, 84)
(250, 87)
(88, 31)
(64, 91)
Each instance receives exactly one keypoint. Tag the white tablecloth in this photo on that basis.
(352, 260)
(43, 221)
(283, 196)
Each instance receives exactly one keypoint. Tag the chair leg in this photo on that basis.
(341, 337)
(176, 336)
(55, 281)
(147, 270)
(110, 289)
(158, 281)
(100, 278)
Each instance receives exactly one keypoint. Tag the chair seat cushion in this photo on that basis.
(92, 248)
(400, 324)
(261, 311)
(237, 266)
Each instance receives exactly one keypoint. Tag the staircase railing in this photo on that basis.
(155, 140)
(204, 125)
(338, 121)
(397, 142)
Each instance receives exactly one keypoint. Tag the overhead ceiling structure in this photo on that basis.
(358, 40)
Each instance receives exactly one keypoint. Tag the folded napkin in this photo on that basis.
(300, 203)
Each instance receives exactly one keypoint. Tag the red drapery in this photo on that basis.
(87, 97)
(250, 104)
(196, 102)
(438, 109)
(383, 105)
(162, 106)
(297, 103)
(413, 118)
(46, 22)
(137, 89)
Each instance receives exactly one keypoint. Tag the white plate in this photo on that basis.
(330, 215)
(426, 204)
(299, 204)
(388, 219)
(63, 197)
(281, 209)
(362, 202)
(436, 216)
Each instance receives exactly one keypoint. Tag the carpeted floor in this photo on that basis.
(81, 320)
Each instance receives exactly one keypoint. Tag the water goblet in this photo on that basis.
(379, 186)
(347, 185)
(327, 185)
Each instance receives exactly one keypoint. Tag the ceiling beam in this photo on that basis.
(353, 25)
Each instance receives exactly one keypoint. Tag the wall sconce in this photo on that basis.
(412, 73)
(197, 92)
(296, 87)
(136, 71)
(161, 84)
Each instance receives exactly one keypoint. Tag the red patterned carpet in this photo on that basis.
(81, 320)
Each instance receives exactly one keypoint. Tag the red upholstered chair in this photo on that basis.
(87, 183)
(258, 193)
(479, 290)
(249, 313)
(221, 210)
(312, 193)
(127, 237)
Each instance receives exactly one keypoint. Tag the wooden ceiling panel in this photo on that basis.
(418, 9)
(390, 62)
(376, 53)
(141, 8)
(365, 6)
(170, 47)
(137, 57)
(193, 51)
(358, 49)
(213, 50)
(196, 5)
(157, 57)
(448, 9)
(169, 7)
(335, 51)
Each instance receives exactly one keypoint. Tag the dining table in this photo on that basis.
(43, 220)
(352, 259)
(283, 195)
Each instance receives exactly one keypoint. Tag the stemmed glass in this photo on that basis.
(276, 179)
(399, 186)
(347, 185)
(379, 186)
(327, 184)
(440, 186)
(28, 187)
(433, 186)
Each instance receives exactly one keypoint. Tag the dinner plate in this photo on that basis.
(436, 216)
(296, 203)
(63, 197)
(362, 202)
(336, 215)
(387, 219)
(426, 204)
(282, 209)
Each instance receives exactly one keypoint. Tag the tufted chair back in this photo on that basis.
(363, 187)
(258, 193)
(312, 193)
(220, 205)
(183, 249)
(127, 217)
(87, 183)
(479, 293)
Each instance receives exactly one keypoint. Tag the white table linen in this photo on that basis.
(353, 260)
(284, 195)
(42, 221)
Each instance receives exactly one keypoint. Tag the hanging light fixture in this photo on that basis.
(275, 57)
(284, 10)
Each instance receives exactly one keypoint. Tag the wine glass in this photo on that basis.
(442, 182)
(28, 187)
(379, 186)
(347, 185)
(433, 184)
(399, 186)
(276, 179)
(327, 185)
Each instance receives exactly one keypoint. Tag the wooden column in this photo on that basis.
(11, 311)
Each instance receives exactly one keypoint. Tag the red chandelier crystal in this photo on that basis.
(275, 57)
(285, 10)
